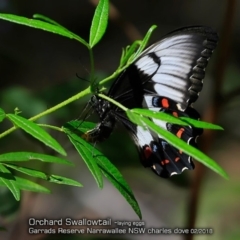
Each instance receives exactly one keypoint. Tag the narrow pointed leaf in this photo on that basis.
(48, 177)
(36, 131)
(107, 168)
(134, 118)
(27, 185)
(9, 181)
(49, 20)
(28, 171)
(116, 178)
(87, 157)
(57, 29)
(99, 22)
(128, 52)
(27, 156)
(171, 119)
(63, 180)
(144, 42)
(201, 124)
(81, 126)
(157, 115)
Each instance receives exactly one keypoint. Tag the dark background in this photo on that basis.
(38, 70)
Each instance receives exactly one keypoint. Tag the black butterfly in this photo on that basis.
(166, 77)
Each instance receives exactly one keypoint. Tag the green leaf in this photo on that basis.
(188, 149)
(63, 180)
(36, 131)
(184, 121)
(144, 42)
(9, 181)
(116, 178)
(201, 124)
(129, 55)
(157, 115)
(34, 23)
(28, 171)
(79, 126)
(27, 156)
(135, 118)
(86, 155)
(49, 177)
(2, 114)
(49, 20)
(107, 168)
(27, 185)
(128, 52)
(99, 22)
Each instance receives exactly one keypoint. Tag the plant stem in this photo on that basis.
(92, 67)
(114, 75)
(113, 101)
(50, 126)
(50, 110)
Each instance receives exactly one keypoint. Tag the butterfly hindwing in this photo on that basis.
(155, 152)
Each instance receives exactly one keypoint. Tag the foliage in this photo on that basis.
(96, 162)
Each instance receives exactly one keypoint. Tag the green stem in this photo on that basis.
(114, 75)
(50, 110)
(113, 101)
(77, 96)
(50, 126)
(92, 66)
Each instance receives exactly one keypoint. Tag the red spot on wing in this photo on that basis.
(177, 159)
(165, 103)
(147, 152)
(164, 162)
(180, 132)
(175, 114)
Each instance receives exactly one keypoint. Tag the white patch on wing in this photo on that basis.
(174, 42)
(173, 173)
(146, 65)
(174, 68)
(169, 92)
(160, 123)
(147, 101)
(144, 136)
(170, 80)
(178, 55)
(183, 63)
(182, 50)
(176, 52)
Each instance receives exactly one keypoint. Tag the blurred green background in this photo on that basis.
(38, 70)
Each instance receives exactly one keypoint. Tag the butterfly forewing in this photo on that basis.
(183, 56)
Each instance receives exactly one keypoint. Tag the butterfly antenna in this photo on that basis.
(86, 70)
(84, 110)
(87, 115)
(83, 79)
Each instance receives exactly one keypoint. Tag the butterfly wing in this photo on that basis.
(174, 67)
(166, 77)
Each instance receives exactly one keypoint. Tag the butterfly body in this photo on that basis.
(167, 77)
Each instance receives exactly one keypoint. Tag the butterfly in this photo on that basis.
(166, 77)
